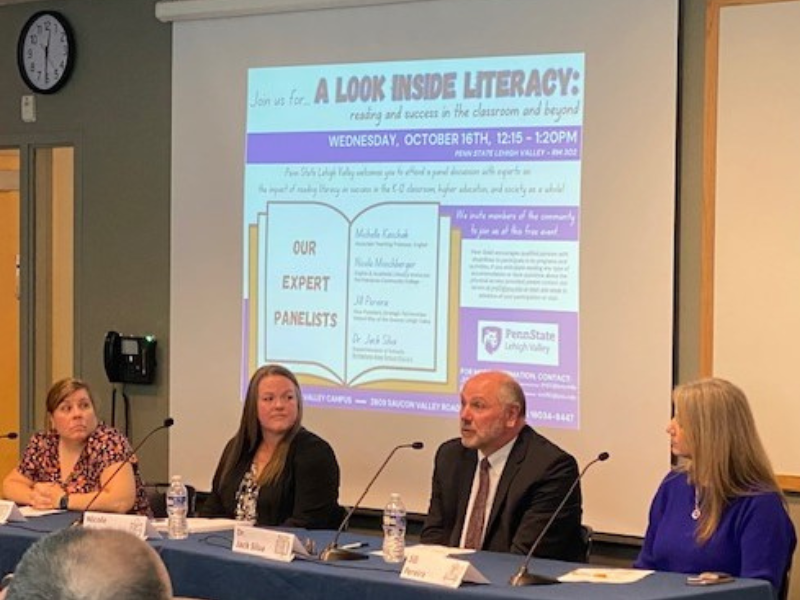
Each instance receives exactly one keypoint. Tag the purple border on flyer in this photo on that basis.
(416, 145)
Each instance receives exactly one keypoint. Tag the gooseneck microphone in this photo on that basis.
(333, 552)
(11, 435)
(522, 576)
(168, 422)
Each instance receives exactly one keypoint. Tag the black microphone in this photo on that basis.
(523, 577)
(12, 435)
(168, 422)
(333, 552)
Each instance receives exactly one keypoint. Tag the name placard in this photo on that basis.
(267, 543)
(436, 568)
(9, 511)
(138, 525)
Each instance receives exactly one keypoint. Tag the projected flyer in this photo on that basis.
(408, 224)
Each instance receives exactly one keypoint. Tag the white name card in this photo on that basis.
(9, 511)
(267, 543)
(438, 569)
(138, 525)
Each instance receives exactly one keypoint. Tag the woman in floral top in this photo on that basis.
(65, 466)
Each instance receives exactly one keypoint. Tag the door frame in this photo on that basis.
(31, 379)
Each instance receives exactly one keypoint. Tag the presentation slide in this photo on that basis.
(389, 198)
(408, 224)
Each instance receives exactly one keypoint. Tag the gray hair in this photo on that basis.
(511, 393)
(90, 564)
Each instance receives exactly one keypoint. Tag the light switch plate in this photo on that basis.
(28, 107)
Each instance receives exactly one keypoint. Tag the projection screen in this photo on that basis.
(388, 199)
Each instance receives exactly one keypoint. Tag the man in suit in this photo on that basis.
(502, 504)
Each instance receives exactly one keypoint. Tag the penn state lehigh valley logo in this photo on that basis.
(492, 337)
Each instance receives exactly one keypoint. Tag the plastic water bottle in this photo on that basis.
(394, 530)
(177, 509)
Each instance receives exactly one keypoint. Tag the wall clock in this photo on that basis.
(46, 52)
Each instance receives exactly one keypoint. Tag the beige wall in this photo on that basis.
(62, 283)
(691, 353)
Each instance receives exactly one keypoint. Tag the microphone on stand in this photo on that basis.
(12, 435)
(522, 576)
(333, 552)
(168, 422)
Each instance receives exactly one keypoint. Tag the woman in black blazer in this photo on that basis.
(274, 471)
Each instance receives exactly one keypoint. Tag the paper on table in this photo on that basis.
(29, 511)
(446, 550)
(433, 549)
(592, 575)
(199, 524)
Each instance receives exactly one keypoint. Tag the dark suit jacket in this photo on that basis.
(306, 495)
(536, 478)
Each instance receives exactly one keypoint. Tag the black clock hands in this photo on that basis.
(45, 46)
(49, 66)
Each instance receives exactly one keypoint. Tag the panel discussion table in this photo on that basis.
(203, 566)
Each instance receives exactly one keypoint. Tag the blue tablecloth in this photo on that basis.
(203, 566)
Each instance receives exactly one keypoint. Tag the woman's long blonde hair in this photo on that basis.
(726, 457)
(249, 436)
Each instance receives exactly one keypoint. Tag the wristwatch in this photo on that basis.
(63, 503)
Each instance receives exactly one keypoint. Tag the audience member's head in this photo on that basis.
(90, 564)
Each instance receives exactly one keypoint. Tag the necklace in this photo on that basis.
(696, 512)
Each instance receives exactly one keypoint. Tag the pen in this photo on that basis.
(354, 546)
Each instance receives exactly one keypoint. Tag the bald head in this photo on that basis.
(504, 385)
(90, 564)
(492, 411)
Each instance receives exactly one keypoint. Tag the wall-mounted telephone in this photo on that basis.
(130, 359)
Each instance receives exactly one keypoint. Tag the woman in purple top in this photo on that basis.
(721, 509)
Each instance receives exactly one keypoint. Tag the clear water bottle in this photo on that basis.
(177, 509)
(394, 530)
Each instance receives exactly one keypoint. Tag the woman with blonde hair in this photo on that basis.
(274, 471)
(721, 508)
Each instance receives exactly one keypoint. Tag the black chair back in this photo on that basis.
(587, 533)
(783, 593)
(157, 495)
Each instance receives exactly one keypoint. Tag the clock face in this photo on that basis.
(45, 52)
